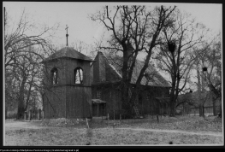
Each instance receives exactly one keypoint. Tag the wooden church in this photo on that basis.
(107, 75)
(79, 87)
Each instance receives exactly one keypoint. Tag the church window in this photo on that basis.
(54, 76)
(78, 76)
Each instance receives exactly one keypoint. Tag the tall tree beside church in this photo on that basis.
(210, 61)
(213, 75)
(133, 29)
(21, 49)
(175, 56)
(213, 62)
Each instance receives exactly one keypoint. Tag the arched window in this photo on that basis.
(78, 76)
(54, 76)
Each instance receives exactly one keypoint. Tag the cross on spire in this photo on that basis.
(67, 35)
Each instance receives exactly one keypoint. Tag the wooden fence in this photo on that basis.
(33, 114)
(208, 110)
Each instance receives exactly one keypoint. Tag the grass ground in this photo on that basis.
(185, 131)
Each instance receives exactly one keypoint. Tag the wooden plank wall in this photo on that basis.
(54, 104)
(152, 92)
(78, 102)
(112, 97)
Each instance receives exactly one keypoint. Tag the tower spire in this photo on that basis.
(67, 35)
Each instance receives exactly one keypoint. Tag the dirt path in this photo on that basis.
(33, 134)
(175, 131)
(15, 125)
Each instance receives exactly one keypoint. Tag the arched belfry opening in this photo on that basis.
(54, 76)
(69, 95)
(78, 76)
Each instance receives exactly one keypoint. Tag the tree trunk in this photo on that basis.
(200, 94)
(20, 112)
(126, 78)
(21, 108)
(214, 107)
(172, 108)
(201, 111)
(172, 98)
(126, 106)
(29, 92)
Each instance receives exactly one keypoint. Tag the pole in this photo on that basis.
(87, 123)
(67, 35)
(4, 20)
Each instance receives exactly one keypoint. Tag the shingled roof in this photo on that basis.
(151, 78)
(68, 52)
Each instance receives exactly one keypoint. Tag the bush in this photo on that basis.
(11, 114)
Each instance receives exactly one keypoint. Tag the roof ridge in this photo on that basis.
(158, 79)
(68, 52)
(112, 66)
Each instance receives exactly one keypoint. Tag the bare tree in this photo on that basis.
(175, 56)
(23, 51)
(16, 42)
(214, 69)
(134, 29)
(25, 73)
(208, 67)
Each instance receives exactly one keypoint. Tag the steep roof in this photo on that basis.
(68, 52)
(152, 78)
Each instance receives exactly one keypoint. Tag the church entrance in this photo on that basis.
(98, 108)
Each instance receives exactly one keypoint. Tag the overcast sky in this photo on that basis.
(82, 28)
(75, 15)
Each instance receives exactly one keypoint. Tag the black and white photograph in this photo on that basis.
(112, 74)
